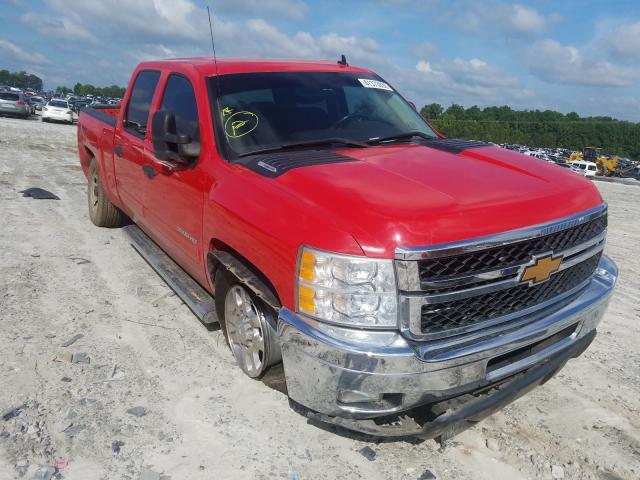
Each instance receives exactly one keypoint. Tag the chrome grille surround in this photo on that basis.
(418, 291)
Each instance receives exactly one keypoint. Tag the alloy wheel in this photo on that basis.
(245, 324)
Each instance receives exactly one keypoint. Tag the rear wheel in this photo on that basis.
(247, 325)
(102, 212)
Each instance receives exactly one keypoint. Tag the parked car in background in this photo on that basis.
(38, 102)
(13, 103)
(78, 103)
(31, 106)
(57, 110)
(588, 169)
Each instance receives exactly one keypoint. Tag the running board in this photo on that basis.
(192, 294)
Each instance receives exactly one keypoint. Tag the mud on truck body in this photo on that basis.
(407, 283)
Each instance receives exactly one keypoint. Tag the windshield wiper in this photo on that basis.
(309, 143)
(400, 136)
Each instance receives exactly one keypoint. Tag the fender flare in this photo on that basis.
(240, 270)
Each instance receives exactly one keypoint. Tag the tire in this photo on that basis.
(102, 212)
(246, 322)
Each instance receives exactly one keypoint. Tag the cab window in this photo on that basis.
(137, 114)
(180, 99)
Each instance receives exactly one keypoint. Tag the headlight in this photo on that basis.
(44, 109)
(347, 290)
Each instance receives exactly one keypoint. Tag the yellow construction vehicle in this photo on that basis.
(607, 164)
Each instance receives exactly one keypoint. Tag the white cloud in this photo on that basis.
(294, 9)
(524, 20)
(473, 72)
(472, 81)
(160, 28)
(493, 16)
(64, 28)
(426, 67)
(178, 20)
(624, 41)
(425, 50)
(565, 64)
(151, 52)
(18, 53)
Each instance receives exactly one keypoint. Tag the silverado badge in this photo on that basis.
(541, 269)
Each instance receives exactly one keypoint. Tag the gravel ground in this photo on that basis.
(61, 277)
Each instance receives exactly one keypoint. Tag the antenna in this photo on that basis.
(213, 45)
(343, 60)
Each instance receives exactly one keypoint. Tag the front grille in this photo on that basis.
(511, 254)
(461, 314)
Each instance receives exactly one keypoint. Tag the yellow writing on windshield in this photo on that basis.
(240, 123)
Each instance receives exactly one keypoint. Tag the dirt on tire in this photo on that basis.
(102, 212)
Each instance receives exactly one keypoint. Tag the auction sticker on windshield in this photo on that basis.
(374, 84)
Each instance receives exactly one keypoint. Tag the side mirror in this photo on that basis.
(168, 144)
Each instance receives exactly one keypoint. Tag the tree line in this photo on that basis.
(26, 80)
(20, 79)
(537, 128)
(83, 90)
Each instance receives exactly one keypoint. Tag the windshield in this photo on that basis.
(257, 111)
(58, 103)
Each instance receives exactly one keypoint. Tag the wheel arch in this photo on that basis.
(222, 255)
(86, 156)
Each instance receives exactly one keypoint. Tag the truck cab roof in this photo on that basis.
(207, 66)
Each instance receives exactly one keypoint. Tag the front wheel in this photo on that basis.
(247, 323)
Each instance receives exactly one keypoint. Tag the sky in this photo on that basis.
(569, 55)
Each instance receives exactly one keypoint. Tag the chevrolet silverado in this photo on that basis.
(407, 284)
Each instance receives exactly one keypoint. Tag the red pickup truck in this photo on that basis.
(409, 284)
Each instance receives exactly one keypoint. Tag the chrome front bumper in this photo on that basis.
(353, 374)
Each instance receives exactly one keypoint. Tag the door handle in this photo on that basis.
(118, 150)
(149, 171)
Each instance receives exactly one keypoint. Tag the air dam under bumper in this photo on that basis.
(351, 377)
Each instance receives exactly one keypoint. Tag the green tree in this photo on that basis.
(548, 128)
(432, 111)
(455, 111)
(20, 79)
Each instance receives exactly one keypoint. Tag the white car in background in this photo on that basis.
(587, 169)
(58, 110)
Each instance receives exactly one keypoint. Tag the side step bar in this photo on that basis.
(192, 294)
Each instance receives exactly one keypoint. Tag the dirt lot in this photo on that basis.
(202, 419)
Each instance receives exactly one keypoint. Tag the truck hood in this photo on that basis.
(413, 195)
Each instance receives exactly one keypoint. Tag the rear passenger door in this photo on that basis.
(175, 195)
(130, 141)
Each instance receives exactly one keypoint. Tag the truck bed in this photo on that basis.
(105, 113)
(96, 127)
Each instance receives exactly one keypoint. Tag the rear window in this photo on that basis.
(14, 97)
(59, 104)
(137, 112)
